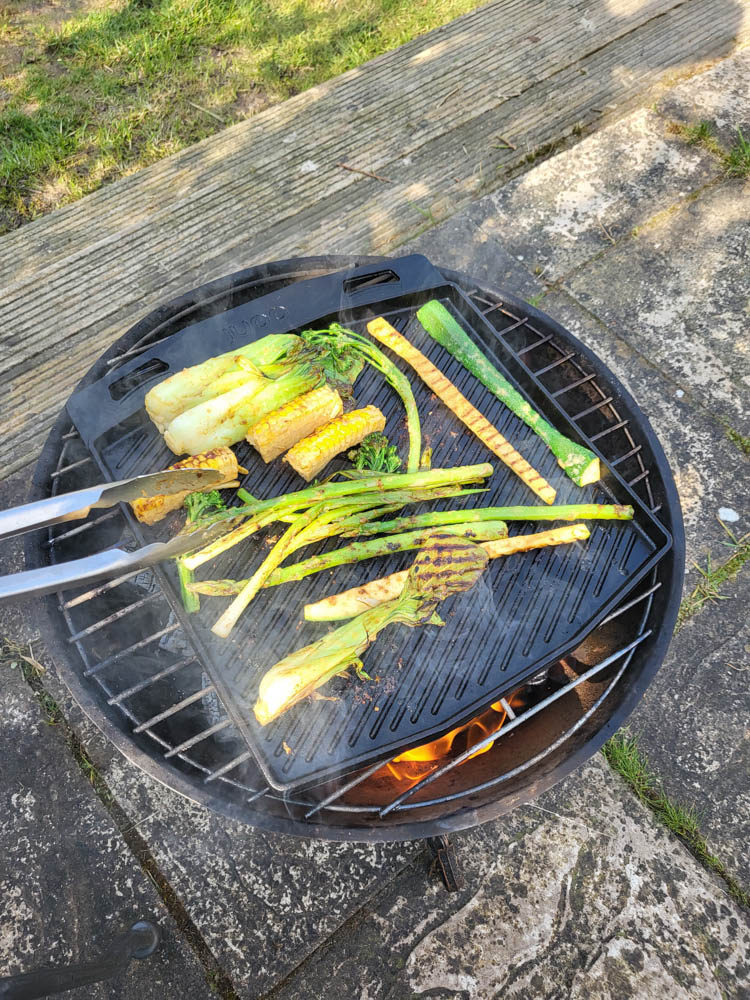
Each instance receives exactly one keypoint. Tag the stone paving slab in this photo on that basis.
(68, 883)
(694, 723)
(720, 96)
(574, 206)
(710, 472)
(682, 298)
(581, 895)
(459, 244)
(261, 902)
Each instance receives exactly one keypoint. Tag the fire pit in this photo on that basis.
(137, 672)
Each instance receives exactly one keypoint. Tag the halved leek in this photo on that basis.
(578, 462)
(199, 383)
(446, 567)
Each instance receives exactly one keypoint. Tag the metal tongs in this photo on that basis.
(75, 506)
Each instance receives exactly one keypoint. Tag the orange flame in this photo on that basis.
(412, 765)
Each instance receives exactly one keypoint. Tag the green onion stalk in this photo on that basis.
(278, 553)
(579, 463)
(565, 512)
(338, 339)
(446, 567)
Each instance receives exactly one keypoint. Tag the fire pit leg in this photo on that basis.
(445, 858)
(139, 941)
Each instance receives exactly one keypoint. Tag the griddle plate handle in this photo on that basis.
(119, 395)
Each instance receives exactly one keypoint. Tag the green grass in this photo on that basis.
(118, 86)
(624, 756)
(740, 440)
(712, 578)
(736, 160)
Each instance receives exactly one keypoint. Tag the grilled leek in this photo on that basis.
(199, 383)
(447, 566)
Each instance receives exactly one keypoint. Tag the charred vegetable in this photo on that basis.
(376, 454)
(356, 552)
(152, 509)
(200, 504)
(225, 418)
(191, 386)
(283, 428)
(469, 415)
(311, 455)
(446, 567)
(337, 339)
(580, 464)
(197, 505)
(372, 491)
(564, 512)
(369, 595)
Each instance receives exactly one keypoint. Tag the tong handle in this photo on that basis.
(59, 576)
(53, 510)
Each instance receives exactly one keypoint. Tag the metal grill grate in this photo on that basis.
(194, 745)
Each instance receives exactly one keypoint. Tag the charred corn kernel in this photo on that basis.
(284, 427)
(149, 510)
(313, 453)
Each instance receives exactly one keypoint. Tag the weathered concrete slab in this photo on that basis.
(694, 723)
(581, 896)
(720, 96)
(432, 117)
(681, 298)
(576, 205)
(68, 884)
(710, 471)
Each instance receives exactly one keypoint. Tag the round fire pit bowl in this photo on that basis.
(122, 653)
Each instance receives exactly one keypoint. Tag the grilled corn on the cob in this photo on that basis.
(152, 509)
(313, 453)
(286, 426)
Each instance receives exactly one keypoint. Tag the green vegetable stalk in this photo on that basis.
(337, 338)
(201, 383)
(564, 512)
(446, 567)
(278, 553)
(356, 552)
(264, 512)
(580, 464)
(197, 505)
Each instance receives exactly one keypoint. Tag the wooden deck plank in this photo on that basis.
(425, 116)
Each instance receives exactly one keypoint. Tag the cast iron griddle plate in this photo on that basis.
(527, 611)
